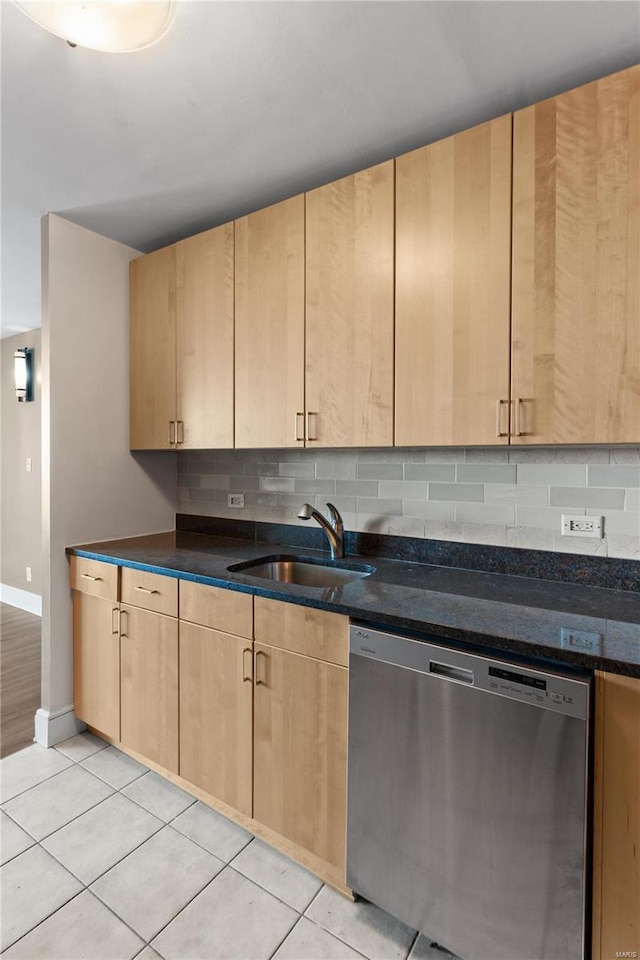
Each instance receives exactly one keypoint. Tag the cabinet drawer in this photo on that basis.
(151, 591)
(94, 577)
(225, 610)
(315, 633)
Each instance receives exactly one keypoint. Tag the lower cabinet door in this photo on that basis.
(216, 713)
(616, 834)
(96, 663)
(149, 685)
(300, 750)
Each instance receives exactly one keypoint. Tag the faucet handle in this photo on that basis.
(338, 524)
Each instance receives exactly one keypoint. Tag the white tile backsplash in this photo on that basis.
(514, 496)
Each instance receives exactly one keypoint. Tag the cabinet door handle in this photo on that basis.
(518, 431)
(115, 626)
(87, 576)
(146, 590)
(312, 435)
(499, 431)
(180, 431)
(123, 613)
(299, 426)
(261, 653)
(172, 432)
(247, 676)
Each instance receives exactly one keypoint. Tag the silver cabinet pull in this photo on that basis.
(123, 613)
(312, 435)
(180, 431)
(146, 590)
(115, 626)
(247, 675)
(299, 426)
(518, 431)
(261, 653)
(87, 576)
(499, 431)
(172, 432)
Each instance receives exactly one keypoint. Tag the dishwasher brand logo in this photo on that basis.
(626, 953)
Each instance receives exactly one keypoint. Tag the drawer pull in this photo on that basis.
(87, 576)
(146, 590)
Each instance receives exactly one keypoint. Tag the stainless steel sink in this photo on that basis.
(305, 572)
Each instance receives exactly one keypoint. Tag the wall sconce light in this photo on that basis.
(23, 373)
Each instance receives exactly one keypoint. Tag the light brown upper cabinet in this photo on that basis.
(152, 353)
(204, 340)
(349, 310)
(453, 221)
(182, 344)
(269, 349)
(576, 265)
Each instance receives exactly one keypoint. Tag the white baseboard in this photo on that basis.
(55, 726)
(31, 602)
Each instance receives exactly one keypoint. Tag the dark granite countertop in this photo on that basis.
(588, 626)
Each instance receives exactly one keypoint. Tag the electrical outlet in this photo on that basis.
(235, 500)
(28, 574)
(583, 640)
(582, 526)
(28, 464)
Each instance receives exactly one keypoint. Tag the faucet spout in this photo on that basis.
(333, 528)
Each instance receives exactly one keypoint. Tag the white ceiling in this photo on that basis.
(245, 103)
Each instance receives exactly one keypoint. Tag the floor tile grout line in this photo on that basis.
(33, 785)
(72, 820)
(123, 857)
(289, 931)
(44, 919)
(142, 806)
(182, 908)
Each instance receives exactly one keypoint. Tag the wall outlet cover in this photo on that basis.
(582, 526)
(235, 500)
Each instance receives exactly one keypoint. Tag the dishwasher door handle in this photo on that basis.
(449, 672)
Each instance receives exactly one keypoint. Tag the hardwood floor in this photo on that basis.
(20, 641)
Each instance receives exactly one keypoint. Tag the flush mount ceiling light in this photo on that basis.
(112, 26)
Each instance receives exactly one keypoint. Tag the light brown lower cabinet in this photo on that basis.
(149, 685)
(616, 835)
(300, 750)
(216, 713)
(96, 662)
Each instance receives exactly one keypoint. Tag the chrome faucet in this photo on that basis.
(334, 528)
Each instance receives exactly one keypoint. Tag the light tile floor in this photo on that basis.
(104, 860)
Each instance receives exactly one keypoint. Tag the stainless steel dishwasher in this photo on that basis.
(468, 796)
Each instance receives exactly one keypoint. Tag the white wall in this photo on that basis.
(93, 487)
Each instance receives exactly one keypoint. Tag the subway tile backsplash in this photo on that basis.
(513, 497)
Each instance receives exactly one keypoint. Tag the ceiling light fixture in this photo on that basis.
(111, 26)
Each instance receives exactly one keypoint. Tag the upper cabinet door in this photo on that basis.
(576, 265)
(152, 354)
(453, 216)
(269, 352)
(349, 310)
(204, 339)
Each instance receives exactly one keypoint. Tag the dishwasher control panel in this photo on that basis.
(557, 691)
